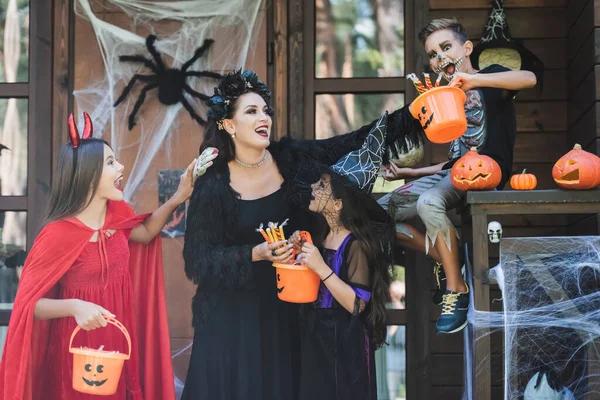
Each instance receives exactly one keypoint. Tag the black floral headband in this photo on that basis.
(232, 86)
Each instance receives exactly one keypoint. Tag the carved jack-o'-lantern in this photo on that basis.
(474, 171)
(578, 169)
(425, 117)
(93, 375)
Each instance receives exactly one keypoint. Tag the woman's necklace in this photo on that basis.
(258, 164)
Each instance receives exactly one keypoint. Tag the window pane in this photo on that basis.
(13, 242)
(13, 136)
(14, 40)
(337, 114)
(359, 38)
(390, 363)
(398, 288)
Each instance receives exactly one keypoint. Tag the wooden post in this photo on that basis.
(280, 81)
(481, 295)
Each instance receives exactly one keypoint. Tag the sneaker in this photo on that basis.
(454, 312)
(440, 282)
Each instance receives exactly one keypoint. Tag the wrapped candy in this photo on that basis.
(418, 84)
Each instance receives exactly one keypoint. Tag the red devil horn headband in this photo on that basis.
(74, 132)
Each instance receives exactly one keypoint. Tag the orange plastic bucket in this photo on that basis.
(441, 113)
(297, 283)
(98, 371)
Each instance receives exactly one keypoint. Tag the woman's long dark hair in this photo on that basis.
(224, 104)
(76, 179)
(377, 247)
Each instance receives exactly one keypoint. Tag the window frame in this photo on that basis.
(43, 68)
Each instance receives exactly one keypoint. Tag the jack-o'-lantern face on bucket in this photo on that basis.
(94, 375)
(279, 289)
(425, 118)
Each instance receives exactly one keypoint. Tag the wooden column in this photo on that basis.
(62, 72)
(583, 72)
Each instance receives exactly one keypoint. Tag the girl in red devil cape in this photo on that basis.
(93, 258)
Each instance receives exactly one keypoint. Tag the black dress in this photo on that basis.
(256, 355)
(244, 336)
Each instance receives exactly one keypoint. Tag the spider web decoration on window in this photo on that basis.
(497, 47)
(550, 320)
(181, 28)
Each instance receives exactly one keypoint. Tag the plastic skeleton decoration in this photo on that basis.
(171, 82)
(204, 161)
(495, 231)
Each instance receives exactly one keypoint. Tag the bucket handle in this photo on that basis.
(110, 320)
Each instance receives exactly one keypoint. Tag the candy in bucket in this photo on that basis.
(98, 371)
(296, 283)
(439, 110)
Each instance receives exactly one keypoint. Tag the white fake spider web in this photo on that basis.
(181, 27)
(550, 322)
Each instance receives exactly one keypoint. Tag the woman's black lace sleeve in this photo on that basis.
(209, 261)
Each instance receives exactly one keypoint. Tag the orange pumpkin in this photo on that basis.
(523, 181)
(578, 169)
(474, 171)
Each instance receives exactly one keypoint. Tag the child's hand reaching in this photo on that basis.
(296, 240)
(312, 258)
(392, 172)
(186, 185)
(464, 81)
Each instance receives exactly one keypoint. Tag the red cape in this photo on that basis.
(54, 251)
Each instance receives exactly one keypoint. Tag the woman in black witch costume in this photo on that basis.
(245, 340)
(342, 329)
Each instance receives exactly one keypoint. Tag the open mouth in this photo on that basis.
(449, 68)
(569, 178)
(94, 383)
(119, 184)
(263, 131)
(476, 177)
(280, 289)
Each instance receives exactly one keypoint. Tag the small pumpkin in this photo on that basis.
(475, 171)
(578, 169)
(523, 181)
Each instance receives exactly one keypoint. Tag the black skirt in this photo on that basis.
(338, 360)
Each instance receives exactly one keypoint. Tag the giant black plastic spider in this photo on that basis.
(171, 82)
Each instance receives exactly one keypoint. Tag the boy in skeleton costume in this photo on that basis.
(491, 127)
